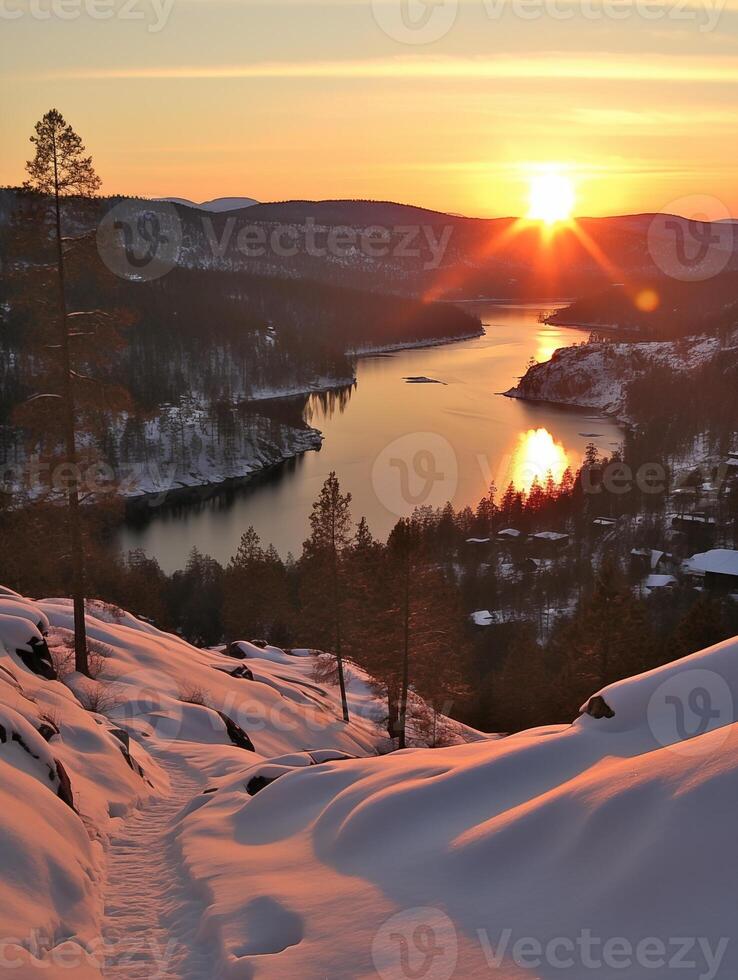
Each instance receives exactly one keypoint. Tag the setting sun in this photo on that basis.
(551, 198)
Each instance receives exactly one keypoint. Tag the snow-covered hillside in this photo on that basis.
(596, 376)
(161, 721)
(228, 824)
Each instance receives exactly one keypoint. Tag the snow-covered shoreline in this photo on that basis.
(370, 350)
(595, 377)
(318, 387)
(207, 480)
(154, 486)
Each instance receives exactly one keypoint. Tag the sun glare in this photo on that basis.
(551, 198)
(536, 455)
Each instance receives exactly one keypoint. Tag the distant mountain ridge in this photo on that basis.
(426, 253)
(215, 206)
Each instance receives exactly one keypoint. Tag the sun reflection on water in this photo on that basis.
(536, 455)
(548, 341)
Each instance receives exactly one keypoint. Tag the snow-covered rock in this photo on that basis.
(596, 376)
(21, 639)
(24, 609)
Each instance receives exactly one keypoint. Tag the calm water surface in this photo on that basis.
(394, 444)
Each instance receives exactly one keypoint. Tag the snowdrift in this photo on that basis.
(605, 847)
(79, 755)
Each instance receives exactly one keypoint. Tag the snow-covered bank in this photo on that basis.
(596, 376)
(368, 350)
(207, 465)
(196, 461)
(318, 386)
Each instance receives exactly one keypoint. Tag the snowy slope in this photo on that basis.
(252, 834)
(606, 831)
(170, 719)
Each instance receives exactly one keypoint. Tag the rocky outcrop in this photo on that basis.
(20, 636)
(597, 376)
(245, 673)
(598, 708)
(64, 792)
(235, 650)
(37, 658)
(125, 746)
(236, 734)
(47, 731)
(30, 742)
(257, 783)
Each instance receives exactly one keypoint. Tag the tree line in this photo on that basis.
(400, 609)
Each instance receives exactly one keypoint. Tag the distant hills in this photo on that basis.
(432, 254)
(215, 206)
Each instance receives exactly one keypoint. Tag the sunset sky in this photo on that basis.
(298, 99)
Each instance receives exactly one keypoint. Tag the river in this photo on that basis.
(395, 444)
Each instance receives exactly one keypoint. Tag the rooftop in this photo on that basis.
(719, 561)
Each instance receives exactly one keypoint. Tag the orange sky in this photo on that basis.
(298, 99)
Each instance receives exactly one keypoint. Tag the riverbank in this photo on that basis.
(369, 351)
(207, 477)
(596, 377)
(476, 437)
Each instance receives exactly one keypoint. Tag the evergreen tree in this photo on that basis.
(59, 168)
(323, 579)
(256, 593)
(701, 627)
(606, 640)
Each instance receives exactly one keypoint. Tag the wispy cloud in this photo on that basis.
(550, 66)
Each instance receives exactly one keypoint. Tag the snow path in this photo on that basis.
(151, 921)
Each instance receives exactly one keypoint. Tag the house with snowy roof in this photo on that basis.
(716, 569)
(548, 543)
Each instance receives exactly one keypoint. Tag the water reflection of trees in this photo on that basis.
(325, 404)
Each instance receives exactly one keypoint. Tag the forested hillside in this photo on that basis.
(201, 353)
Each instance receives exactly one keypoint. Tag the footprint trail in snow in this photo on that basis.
(151, 922)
